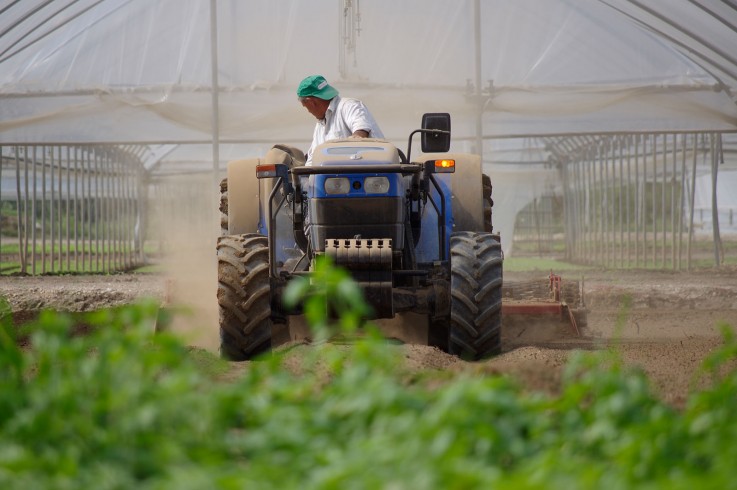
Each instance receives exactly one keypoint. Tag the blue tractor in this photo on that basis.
(416, 235)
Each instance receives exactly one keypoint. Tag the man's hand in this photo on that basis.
(360, 133)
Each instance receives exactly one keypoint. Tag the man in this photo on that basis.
(337, 117)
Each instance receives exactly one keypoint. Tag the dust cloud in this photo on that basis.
(185, 222)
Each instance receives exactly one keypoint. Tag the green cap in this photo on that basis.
(316, 86)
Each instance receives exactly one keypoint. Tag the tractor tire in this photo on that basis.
(224, 207)
(244, 296)
(476, 295)
(488, 202)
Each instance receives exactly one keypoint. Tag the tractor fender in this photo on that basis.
(466, 190)
(243, 196)
(248, 196)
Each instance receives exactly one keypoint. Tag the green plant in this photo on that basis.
(329, 294)
(120, 407)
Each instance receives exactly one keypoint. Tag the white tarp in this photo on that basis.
(139, 71)
(136, 70)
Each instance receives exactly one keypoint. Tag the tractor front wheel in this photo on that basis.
(476, 295)
(244, 296)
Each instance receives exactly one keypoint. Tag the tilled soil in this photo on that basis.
(665, 322)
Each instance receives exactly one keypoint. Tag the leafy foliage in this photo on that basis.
(122, 408)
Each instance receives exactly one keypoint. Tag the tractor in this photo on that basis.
(416, 235)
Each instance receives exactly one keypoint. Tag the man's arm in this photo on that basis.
(358, 119)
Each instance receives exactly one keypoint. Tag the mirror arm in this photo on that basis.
(428, 131)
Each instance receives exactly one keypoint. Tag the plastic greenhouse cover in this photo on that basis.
(140, 71)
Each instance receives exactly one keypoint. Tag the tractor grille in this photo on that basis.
(370, 217)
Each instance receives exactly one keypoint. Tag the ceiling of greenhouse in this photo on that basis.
(138, 71)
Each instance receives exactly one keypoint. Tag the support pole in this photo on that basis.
(477, 78)
(715, 151)
(59, 214)
(620, 200)
(638, 201)
(34, 211)
(19, 215)
(654, 202)
(662, 200)
(43, 209)
(692, 201)
(215, 95)
(674, 162)
(681, 199)
(630, 197)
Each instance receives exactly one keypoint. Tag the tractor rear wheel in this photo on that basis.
(244, 296)
(476, 295)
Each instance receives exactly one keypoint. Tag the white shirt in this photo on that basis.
(344, 117)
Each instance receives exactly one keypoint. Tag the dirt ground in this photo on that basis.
(671, 323)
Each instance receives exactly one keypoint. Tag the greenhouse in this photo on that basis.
(608, 127)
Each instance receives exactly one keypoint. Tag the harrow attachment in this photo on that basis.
(557, 298)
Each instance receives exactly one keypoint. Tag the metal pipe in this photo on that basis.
(215, 95)
(591, 206)
(681, 197)
(577, 165)
(124, 222)
(620, 201)
(77, 213)
(104, 212)
(54, 210)
(51, 213)
(107, 202)
(674, 158)
(128, 213)
(714, 202)
(654, 188)
(85, 237)
(97, 206)
(638, 201)
(141, 193)
(479, 105)
(68, 200)
(59, 207)
(33, 216)
(116, 181)
(630, 198)
(87, 197)
(571, 215)
(18, 214)
(692, 203)
(122, 216)
(601, 206)
(608, 212)
(580, 166)
(662, 201)
(115, 224)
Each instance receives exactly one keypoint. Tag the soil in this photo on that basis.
(663, 322)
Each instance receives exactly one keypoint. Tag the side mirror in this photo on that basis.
(436, 132)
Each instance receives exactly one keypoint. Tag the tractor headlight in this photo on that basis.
(376, 185)
(337, 185)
